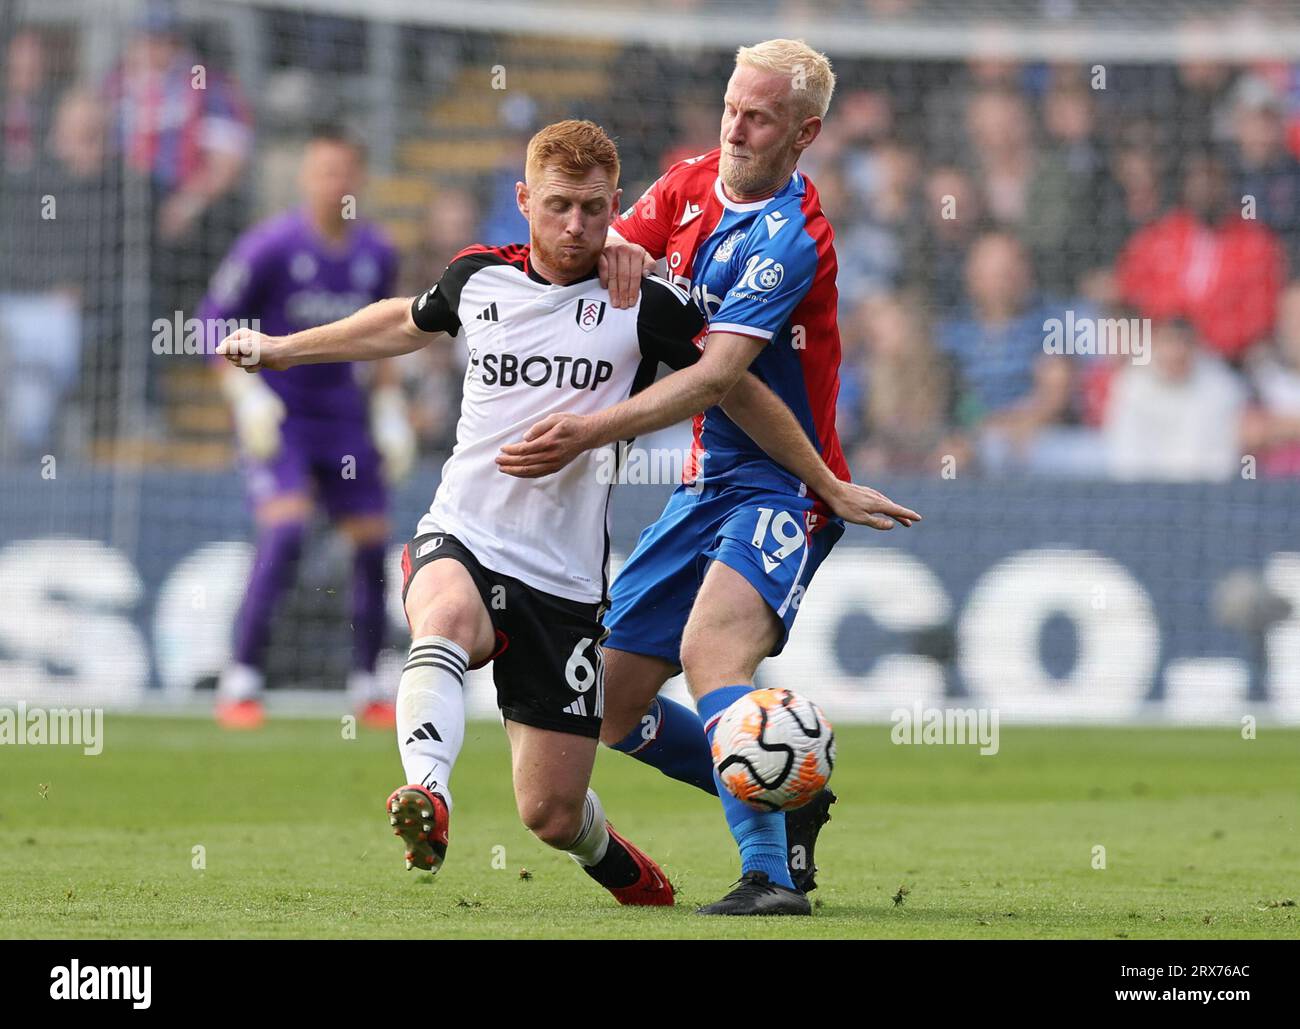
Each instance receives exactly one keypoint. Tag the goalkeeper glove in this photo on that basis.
(392, 432)
(257, 412)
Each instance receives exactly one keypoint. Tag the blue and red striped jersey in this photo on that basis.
(764, 269)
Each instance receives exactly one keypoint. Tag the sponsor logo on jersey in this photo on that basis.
(488, 314)
(728, 246)
(776, 221)
(563, 370)
(707, 302)
(590, 313)
(692, 212)
(762, 275)
(310, 307)
(426, 298)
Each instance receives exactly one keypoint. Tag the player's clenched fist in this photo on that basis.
(253, 351)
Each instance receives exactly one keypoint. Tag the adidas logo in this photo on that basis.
(424, 732)
(488, 314)
(578, 707)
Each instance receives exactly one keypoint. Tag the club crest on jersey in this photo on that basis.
(761, 274)
(590, 313)
(728, 246)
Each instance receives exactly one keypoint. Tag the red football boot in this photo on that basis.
(240, 714)
(651, 888)
(378, 714)
(421, 819)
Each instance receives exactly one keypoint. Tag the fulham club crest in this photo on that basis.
(590, 314)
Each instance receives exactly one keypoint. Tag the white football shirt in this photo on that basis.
(537, 349)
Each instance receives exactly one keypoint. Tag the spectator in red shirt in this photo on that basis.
(1205, 262)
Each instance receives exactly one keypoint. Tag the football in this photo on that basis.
(774, 750)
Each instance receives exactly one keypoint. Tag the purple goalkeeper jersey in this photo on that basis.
(283, 274)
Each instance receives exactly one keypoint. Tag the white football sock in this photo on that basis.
(363, 688)
(239, 682)
(431, 712)
(593, 840)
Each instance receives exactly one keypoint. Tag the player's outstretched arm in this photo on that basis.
(770, 423)
(382, 329)
(557, 439)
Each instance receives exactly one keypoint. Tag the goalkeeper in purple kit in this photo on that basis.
(309, 435)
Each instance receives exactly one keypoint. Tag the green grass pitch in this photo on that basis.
(1199, 829)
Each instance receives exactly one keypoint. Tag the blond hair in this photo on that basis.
(811, 80)
(575, 147)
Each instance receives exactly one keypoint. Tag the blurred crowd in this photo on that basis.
(973, 203)
(976, 206)
(162, 133)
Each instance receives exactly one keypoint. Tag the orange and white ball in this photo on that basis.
(774, 750)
